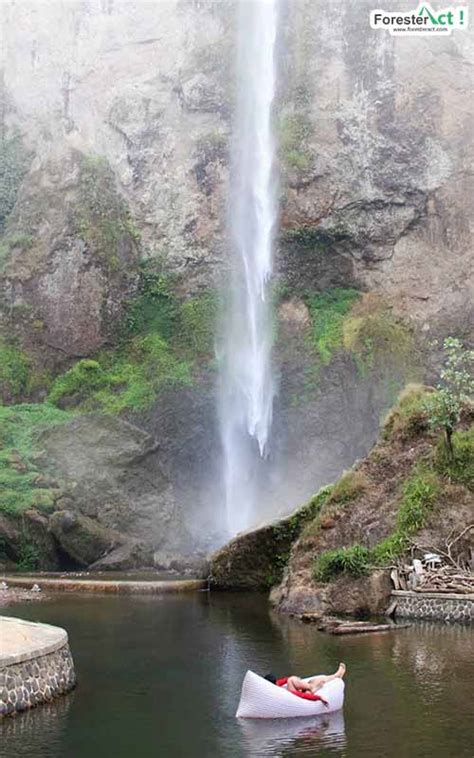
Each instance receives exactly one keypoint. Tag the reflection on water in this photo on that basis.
(307, 735)
(160, 677)
(47, 724)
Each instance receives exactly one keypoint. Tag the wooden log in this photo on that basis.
(365, 628)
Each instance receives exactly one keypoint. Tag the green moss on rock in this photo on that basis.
(22, 484)
(15, 369)
(328, 310)
(256, 559)
(130, 379)
(294, 130)
(102, 218)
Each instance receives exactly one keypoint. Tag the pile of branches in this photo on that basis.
(455, 572)
(446, 579)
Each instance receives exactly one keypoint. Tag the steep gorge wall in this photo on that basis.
(124, 111)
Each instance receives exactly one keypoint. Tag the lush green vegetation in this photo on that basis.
(20, 453)
(328, 310)
(127, 380)
(419, 495)
(15, 369)
(29, 556)
(154, 309)
(160, 341)
(343, 319)
(352, 560)
(14, 161)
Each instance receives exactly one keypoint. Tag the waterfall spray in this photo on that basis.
(247, 386)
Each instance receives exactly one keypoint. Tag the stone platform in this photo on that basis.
(35, 664)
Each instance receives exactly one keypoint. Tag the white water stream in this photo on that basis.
(247, 384)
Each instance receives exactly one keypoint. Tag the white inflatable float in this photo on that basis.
(260, 699)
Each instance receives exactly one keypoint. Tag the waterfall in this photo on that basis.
(246, 381)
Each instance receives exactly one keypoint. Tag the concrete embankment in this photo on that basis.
(125, 587)
(36, 664)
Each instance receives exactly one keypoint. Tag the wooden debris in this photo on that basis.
(338, 627)
(446, 579)
(391, 609)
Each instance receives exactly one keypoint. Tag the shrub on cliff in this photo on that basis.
(456, 389)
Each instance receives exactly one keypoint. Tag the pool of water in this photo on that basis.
(160, 676)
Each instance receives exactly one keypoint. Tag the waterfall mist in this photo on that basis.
(246, 381)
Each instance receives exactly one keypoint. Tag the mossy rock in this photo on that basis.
(83, 539)
(255, 560)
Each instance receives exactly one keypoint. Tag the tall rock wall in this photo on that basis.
(116, 120)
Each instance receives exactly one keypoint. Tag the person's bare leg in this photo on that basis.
(295, 684)
(319, 681)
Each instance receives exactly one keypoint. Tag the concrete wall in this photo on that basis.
(433, 605)
(35, 665)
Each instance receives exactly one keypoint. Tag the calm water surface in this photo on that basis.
(161, 677)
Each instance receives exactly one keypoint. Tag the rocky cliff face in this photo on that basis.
(375, 135)
(334, 555)
(116, 119)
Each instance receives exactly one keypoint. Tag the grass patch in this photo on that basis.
(460, 469)
(352, 560)
(361, 325)
(408, 418)
(20, 426)
(349, 487)
(419, 495)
